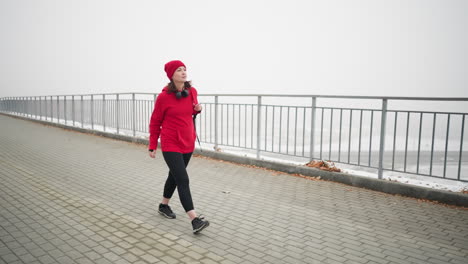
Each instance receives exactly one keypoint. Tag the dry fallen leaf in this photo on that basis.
(323, 165)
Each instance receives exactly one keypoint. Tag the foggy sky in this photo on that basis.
(338, 47)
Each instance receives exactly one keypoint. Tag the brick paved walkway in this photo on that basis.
(68, 197)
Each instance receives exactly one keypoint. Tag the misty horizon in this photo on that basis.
(362, 48)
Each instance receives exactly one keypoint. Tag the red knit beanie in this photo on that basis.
(171, 67)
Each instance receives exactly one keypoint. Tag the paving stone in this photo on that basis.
(46, 259)
(169, 260)
(129, 257)
(66, 260)
(27, 258)
(84, 261)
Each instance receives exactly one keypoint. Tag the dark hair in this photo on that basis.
(172, 88)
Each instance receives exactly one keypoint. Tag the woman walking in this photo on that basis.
(172, 121)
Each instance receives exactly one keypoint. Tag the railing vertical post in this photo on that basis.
(51, 109)
(82, 112)
(259, 124)
(34, 104)
(104, 112)
(65, 109)
(40, 107)
(117, 113)
(461, 147)
(216, 122)
(446, 144)
(133, 115)
(58, 108)
(38, 111)
(92, 112)
(73, 109)
(382, 136)
(312, 128)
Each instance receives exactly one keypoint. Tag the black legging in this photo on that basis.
(178, 177)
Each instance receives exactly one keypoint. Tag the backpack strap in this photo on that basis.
(194, 124)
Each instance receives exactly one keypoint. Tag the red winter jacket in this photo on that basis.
(172, 120)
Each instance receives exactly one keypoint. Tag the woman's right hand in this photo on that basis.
(152, 154)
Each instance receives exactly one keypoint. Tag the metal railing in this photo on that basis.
(355, 130)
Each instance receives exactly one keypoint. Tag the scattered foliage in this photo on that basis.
(323, 165)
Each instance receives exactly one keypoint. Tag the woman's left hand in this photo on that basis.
(197, 107)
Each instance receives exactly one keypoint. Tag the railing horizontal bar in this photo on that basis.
(425, 112)
(347, 108)
(458, 99)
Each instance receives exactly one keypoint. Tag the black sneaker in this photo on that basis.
(199, 223)
(166, 211)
